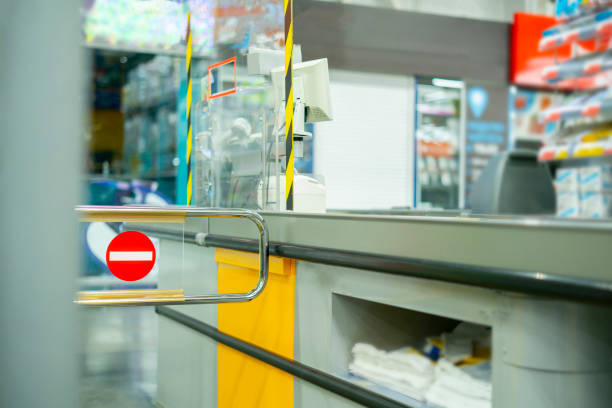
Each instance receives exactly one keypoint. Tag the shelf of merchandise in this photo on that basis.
(433, 111)
(575, 68)
(572, 151)
(581, 29)
(577, 141)
(583, 125)
(591, 35)
(436, 149)
(577, 108)
(593, 82)
(168, 101)
(131, 49)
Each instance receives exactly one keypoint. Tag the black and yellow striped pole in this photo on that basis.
(188, 108)
(289, 102)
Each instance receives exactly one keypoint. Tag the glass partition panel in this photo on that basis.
(177, 117)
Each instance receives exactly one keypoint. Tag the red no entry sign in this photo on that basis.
(130, 256)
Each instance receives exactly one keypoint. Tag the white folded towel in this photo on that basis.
(409, 372)
(454, 388)
(404, 370)
(459, 381)
(381, 377)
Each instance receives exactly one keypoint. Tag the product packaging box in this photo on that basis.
(595, 178)
(568, 204)
(567, 179)
(595, 205)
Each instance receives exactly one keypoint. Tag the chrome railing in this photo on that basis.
(171, 296)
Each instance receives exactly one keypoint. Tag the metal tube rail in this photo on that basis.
(512, 280)
(171, 214)
(332, 383)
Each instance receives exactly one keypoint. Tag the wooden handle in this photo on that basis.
(114, 297)
(94, 215)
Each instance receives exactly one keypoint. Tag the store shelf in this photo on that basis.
(578, 20)
(592, 82)
(427, 110)
(130, 49)
(575, 68)
(169, 101)
(582, 135)
(570, 130)
(573, 151)
(436, 149)
(581, 29)
(582, 107)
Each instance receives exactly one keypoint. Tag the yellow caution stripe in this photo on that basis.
(188, 98)
(289, 102)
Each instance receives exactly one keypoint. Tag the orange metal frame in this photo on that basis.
(217, 65)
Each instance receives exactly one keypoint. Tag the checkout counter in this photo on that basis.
(542, 285)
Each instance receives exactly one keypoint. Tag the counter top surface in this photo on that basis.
(568, 247)
(460, 217)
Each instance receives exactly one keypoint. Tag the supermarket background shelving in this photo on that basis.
(580, 150)
(133, 129)
(582, 28)
(437, 145)
(583, 116)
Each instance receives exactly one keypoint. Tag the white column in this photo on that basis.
(41, 102)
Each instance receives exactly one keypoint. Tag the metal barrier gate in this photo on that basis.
(155, 297)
